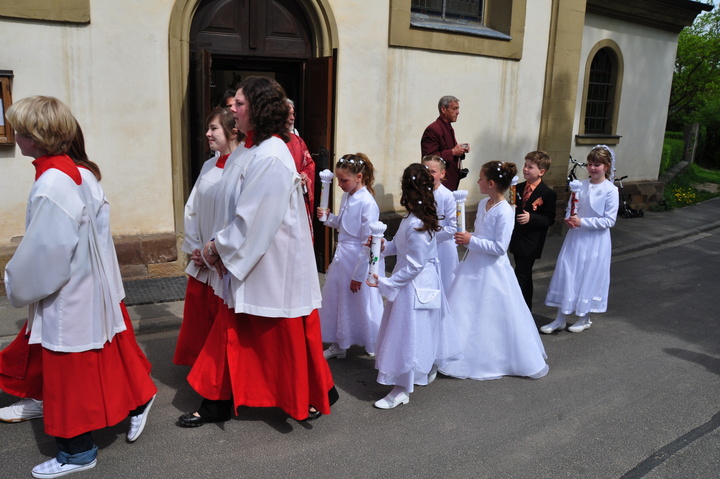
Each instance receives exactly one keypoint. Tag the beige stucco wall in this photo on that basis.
(387, 96)
(113, 73)
(649, 58)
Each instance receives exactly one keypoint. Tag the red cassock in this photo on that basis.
(264, 362)
(81, 391)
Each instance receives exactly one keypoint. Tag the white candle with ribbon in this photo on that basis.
(513, 190)
(460, 196)
(326, 177)
(377, 229)
(575, 187)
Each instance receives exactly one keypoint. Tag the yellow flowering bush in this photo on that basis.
(685, 196)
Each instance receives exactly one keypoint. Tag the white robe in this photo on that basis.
(102, 226)
(447, 250)
(201, 211)
(417, 331)
(60, 269)
(265, 242)
(497, 330)
(581, 281)
(349, 318)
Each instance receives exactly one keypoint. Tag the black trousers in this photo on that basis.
(523, 273)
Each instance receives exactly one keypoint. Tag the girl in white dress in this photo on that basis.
(417, 333)
(498, 332)
(446, 208)
(581, 280)
(351, 313)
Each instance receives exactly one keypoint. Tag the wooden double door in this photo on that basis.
(233, 39)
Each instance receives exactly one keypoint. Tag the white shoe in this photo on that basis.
(432, 375)
(53, 468)
(137, 423)
(392, 400)
(23, 410)
(581, 325)
(549, 328)
(334, 352)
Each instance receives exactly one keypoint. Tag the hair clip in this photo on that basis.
(500, 175)
(419, 202)
(413, 178)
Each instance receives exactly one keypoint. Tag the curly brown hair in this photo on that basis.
(267, 106)
(359, 163)
(500, 172)
(418, 198)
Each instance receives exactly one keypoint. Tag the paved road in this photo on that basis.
(637, 395)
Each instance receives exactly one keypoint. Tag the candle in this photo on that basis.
(460, 196)
(513, 190)
(326, 177)
(575, 186)
(377, 228)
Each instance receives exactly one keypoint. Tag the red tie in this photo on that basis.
(526, 194)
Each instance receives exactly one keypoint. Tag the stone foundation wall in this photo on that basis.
(140, 257)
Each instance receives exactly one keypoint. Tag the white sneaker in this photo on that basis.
(137, 423)
(334, 352)
(23, 410)
(53, 468)
(549, 328)
(581, 325)
(392, 400)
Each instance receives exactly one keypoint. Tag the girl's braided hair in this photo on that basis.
(417, 196)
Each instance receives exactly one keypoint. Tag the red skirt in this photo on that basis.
(201, 307)
(21, 367)
(264, 362)
(21, 363)
(95, 389)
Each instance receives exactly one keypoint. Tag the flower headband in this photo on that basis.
(351, 161)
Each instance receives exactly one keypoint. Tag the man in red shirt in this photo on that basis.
(439, 139)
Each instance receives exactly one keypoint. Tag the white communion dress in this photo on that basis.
(497, 330)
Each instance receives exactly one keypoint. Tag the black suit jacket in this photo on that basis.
(528, 240)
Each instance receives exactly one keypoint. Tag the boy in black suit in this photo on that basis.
(535, 213)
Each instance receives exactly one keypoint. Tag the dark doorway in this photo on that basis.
(233, 39)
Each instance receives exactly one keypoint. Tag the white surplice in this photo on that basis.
(265, 243)
(60, 269)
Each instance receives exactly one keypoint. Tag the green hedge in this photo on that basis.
(672, 154)
(675, 135)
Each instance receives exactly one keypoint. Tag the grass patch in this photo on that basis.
(693, 185)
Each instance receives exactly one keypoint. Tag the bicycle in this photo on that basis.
(572, 176)
(625, 210)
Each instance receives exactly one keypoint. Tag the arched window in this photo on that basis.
(599, 105)
(601, 98)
